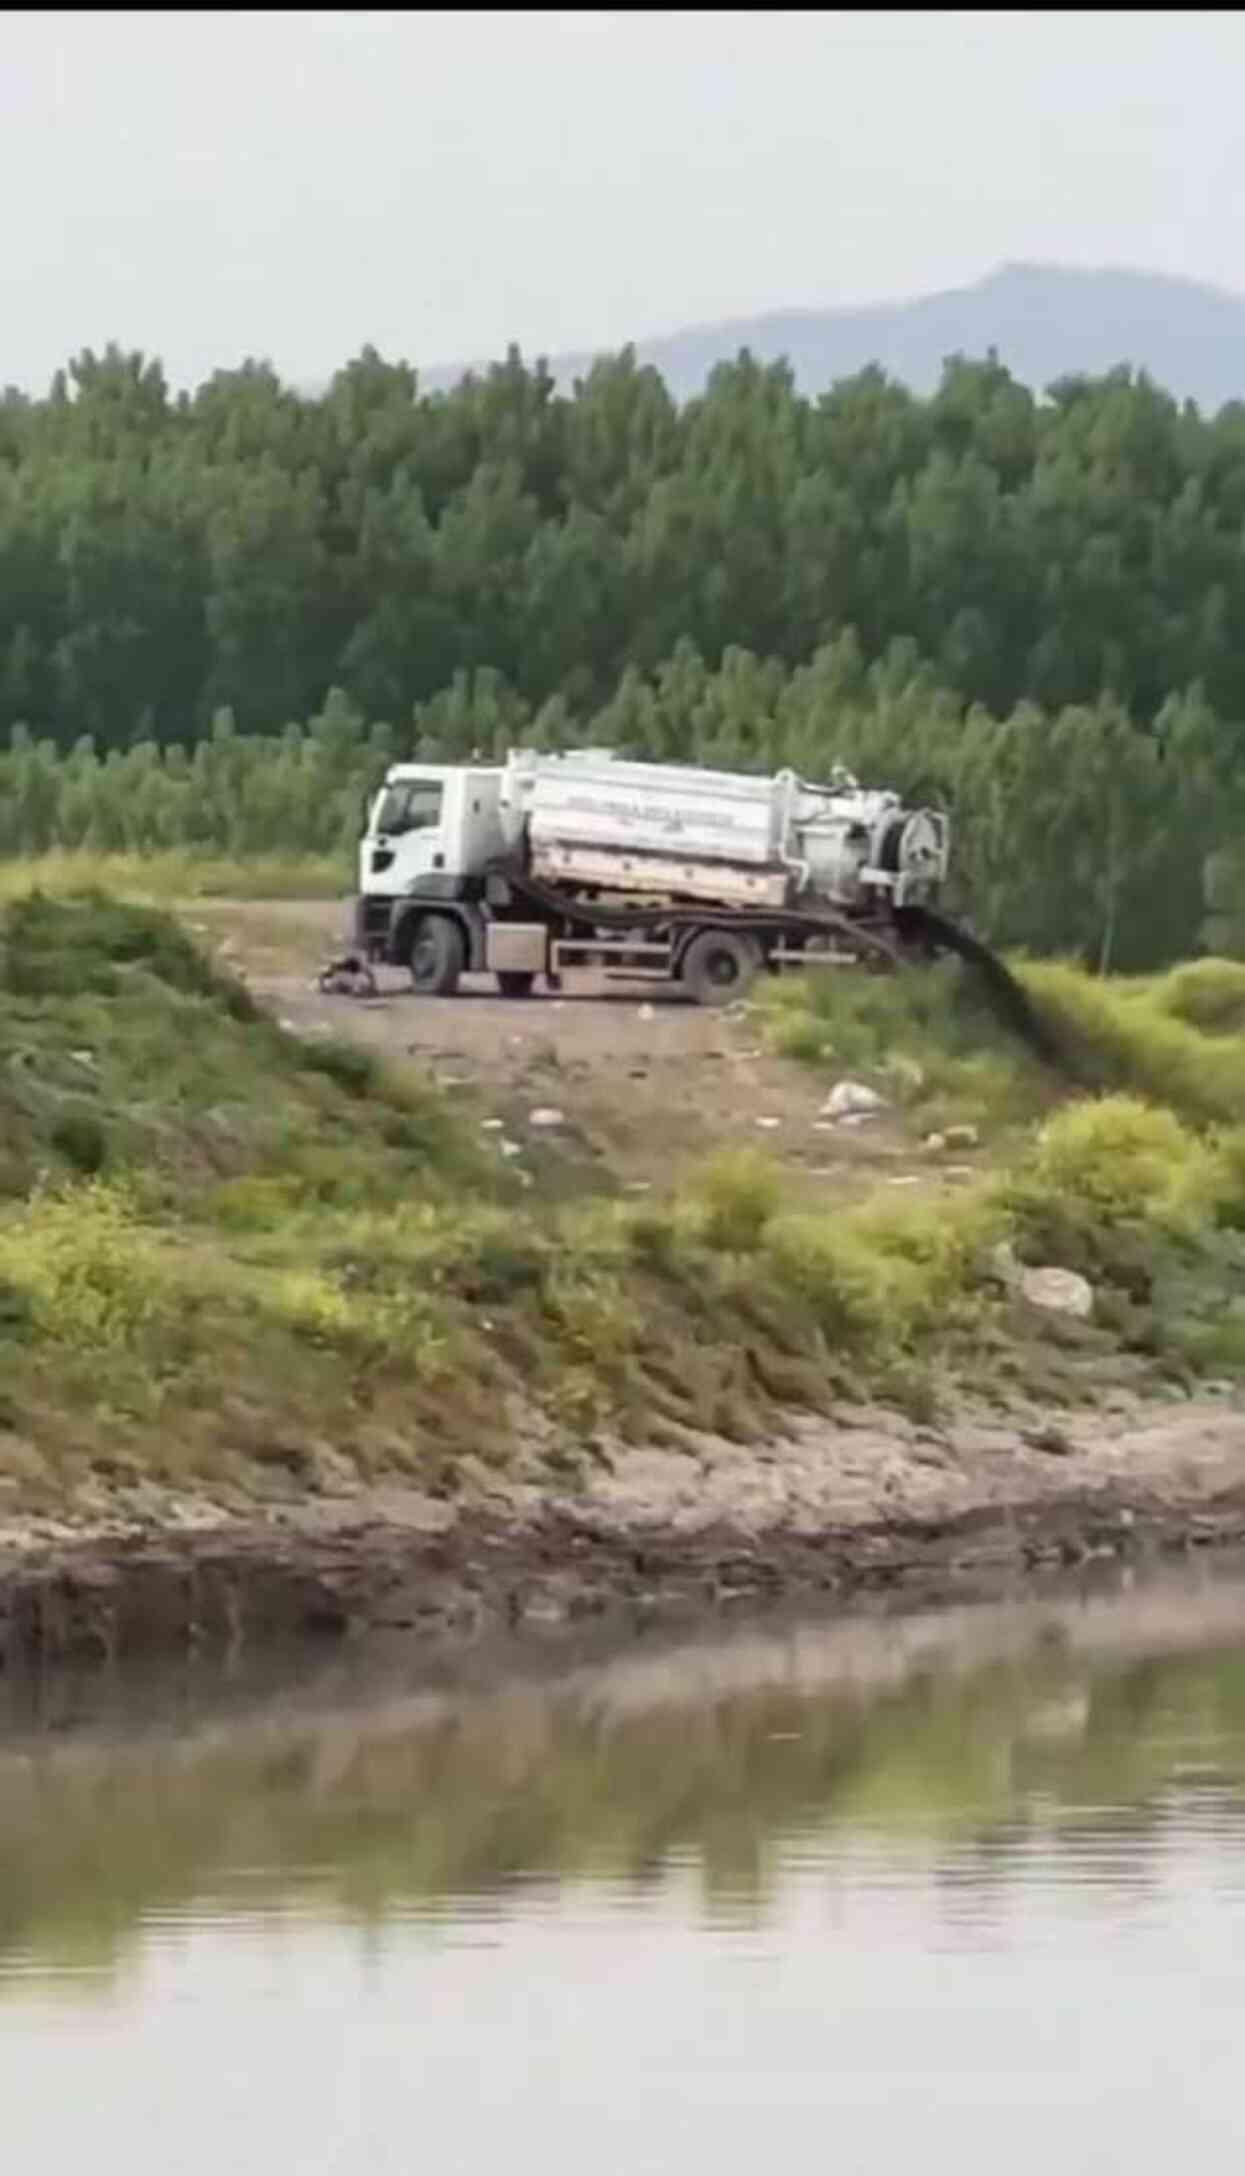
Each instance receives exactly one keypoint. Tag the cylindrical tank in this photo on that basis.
(590, 819)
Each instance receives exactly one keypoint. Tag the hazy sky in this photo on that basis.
(211, 185)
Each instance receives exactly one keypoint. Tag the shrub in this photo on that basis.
(1206, 994)
(1121, 1039)
(733, 1198)
(88, 1273)
(856, 1296)
(1118, 1157)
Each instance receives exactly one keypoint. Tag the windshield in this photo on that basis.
(412, 806)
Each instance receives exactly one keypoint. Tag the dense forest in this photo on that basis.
(1028, 607)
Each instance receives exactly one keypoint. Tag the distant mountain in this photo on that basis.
(1046, 322)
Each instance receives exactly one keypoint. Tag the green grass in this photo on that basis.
(177, 876)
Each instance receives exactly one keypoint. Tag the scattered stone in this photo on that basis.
(962, 1137)
(1048, 1437)
(908, 1178)
(511, 1148)
(935, 1143)
(546, 1115)
(638, 1186)
(491, 1125)
(768, 1123)
(823, 1125)
(83, 1057)
(1059, 1292)
(646, 1013)
(851, 1099)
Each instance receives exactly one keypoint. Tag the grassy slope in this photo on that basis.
(177, 875)
(230, 1259)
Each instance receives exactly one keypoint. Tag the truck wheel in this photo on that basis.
(437, 956)
(720, 965)
(515, 981)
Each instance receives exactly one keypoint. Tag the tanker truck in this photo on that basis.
(644, 871)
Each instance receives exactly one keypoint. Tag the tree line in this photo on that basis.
(1025, 606)
(1074, 831)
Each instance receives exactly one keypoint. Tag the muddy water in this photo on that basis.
(961, 1891)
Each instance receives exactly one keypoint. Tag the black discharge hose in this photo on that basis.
(917, 926)
(1010, 1003)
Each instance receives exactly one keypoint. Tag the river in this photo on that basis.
(962, 1889)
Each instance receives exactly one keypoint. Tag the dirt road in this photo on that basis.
(644, 1079)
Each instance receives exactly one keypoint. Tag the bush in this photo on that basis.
(89, 1275)
(1114, 1038)
(733, 1198)
(1107, 1188)
(848, 1288)
(80, 946)
(1206, 994)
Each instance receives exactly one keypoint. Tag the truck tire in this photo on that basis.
(437, 955)
(720, 966)
(515, 981)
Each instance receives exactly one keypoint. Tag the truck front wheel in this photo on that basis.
(720, 966)
(437, 956)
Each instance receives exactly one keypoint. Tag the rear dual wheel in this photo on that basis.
(720, 966)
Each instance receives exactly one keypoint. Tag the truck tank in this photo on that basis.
(591, 821)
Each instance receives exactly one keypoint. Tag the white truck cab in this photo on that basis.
(431, 820)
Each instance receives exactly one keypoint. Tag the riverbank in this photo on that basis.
(320, 1315)
(836, 1511)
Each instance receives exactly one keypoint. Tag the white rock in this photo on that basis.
(768, 1123)
(546, 1115)
(850, 1098)
(909, 1178)
(1059, 1291)
(511, 1148)
(646, 1013)
(491, 1125)
(935, 1143)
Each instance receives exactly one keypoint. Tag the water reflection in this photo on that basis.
(1070, 1746)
